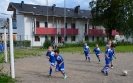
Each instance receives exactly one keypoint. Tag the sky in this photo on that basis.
(84, 4)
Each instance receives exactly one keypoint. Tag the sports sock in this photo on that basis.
(88, 58)
(99, 60)
(107, 68)
(63, 73)
(50, 71)
(103, 68)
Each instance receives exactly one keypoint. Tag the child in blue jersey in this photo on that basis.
(87, 52)
(97, 52)
(60, 63)
(108, 56)
(51, 56)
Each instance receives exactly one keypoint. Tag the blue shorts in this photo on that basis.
(86, 54)
(107, 61)
(52, 64)
(97, 55)
(61, 68)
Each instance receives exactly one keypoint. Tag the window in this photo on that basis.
(66, 25)
(37, 24)
(66, 38)
(37, 38)
(73, 25)
(86, 38)
(85, 28)
(73, 38)
(92, 38)
(14, 25)
(46, 24)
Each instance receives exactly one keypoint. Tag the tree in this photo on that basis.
(112, 14)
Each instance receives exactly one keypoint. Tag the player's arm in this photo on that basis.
(47, 56)
(106, 54)
(62, 61)
(114, 55)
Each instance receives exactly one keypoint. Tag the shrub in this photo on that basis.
(46, 43)
(26, 43)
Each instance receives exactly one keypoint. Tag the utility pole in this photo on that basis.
(64, 21)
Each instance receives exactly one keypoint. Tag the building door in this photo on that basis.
(59, 39)
(52, 38)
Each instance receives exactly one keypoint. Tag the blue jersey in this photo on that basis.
(51, 56)
(109, 53)
(97, 51)
(86, 49)
(59, 59)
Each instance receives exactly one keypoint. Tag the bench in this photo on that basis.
(60, 45)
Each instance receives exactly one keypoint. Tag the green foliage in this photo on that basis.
(91, 44)
(26, 43)
(4, 78)
(46, 43)
(113, 14)
(123, 43)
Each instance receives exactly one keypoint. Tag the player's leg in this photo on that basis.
(107, 68)
(98, 56)
(62, 71)
(112, 61)
(50, 70)
(57, 68)
(88, 56)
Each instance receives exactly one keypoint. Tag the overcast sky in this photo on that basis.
(84, 4)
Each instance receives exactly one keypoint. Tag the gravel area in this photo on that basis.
(35, 69)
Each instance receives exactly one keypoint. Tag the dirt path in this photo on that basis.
(35, 69)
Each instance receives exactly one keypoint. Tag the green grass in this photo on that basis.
(102, 48)
(38, 52)
(28, 52)
(4, 78)
(2, 57)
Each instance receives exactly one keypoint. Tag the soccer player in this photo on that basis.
(60, 63)
(86, 52)
(97, 52)
(51, 56)
(106, 47)
(108, 55)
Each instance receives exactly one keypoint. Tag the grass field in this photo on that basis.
(102, 48)
(38, 52)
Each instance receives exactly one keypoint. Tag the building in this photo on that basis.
(32, 24)
(7, 30)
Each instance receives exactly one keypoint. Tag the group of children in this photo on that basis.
(57, 61)
(109, 55)
(54, 57)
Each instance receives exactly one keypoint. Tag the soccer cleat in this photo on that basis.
(65, 77)
(112, 67)
(106, 74)
(102, 71)
(49, 75)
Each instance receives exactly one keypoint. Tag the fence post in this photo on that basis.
(5, 45)
(11, 49)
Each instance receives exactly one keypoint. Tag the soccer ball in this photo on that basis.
(124, 72)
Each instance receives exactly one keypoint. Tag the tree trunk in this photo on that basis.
(110, 34)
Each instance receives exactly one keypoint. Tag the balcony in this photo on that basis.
(95, 32)
(45, 31)
(69, 31)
